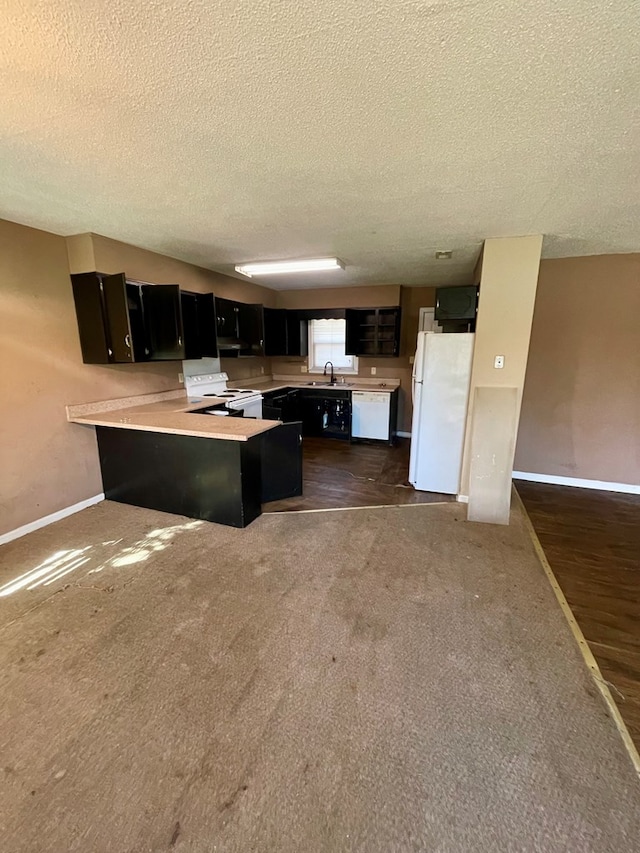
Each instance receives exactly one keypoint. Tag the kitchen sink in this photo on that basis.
(330, 385)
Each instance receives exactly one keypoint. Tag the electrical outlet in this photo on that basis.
(412, 358)
(262, 370)
(374, 370)
(498, 362)
(303, 368)
(181, 377)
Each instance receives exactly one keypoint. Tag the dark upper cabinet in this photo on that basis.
(251, 328)
(190, 326)
(240, 328)
(125, 313)
(111, 322)
(297, 334)
(275, 331)
(91, 313)
(122, 321)
(207, 324)
(456, 303)
(227, 326)
(284, 332)
(198, 324)
(373, 332)
(163, 320)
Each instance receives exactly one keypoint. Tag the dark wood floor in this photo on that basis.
(592, 542)
(339, 475)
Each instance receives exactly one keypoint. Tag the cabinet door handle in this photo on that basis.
(110, 351)
(179, 341)
(127, 341)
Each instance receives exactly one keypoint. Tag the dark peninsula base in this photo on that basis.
(207, 478)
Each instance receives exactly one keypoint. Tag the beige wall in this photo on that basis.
(340, 297)
(410, 298)
(581, 404)
(509, 275)
(48, 464)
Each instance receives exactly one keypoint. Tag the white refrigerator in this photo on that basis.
(440, 393)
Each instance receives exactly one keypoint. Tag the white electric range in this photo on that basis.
(204, 385)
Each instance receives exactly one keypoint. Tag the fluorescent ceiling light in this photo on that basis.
(276, 267)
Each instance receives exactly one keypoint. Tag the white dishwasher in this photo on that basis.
(370, 411)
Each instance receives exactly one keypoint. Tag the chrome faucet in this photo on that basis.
(324, 372)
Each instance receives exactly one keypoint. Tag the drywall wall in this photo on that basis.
(411, 299)
(340, 297)
(581, 404)
(48, 464)
(113, 256)
(509, 276)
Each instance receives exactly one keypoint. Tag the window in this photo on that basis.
(326, 343)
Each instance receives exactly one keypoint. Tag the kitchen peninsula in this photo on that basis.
(158, 452)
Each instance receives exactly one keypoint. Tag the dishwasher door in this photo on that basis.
(370, 414)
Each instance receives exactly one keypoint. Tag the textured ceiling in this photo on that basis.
(375, 130)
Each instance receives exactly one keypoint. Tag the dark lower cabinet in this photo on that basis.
(282, 405)
(212, 479)
(207, 478)
(326, 413)
(281, 462)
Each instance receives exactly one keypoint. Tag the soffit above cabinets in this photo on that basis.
(376, 132)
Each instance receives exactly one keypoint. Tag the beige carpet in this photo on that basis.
(369, 680)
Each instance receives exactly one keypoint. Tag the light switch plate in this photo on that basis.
(181, 377)
(374, 370)
(498, 362)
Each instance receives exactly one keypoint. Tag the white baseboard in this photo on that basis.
(404, 434)
(49, 519)
(576, 482)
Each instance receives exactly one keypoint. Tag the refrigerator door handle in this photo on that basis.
(414, 382)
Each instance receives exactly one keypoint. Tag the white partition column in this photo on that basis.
(508, 282)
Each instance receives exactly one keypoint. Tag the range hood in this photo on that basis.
(233, 347)
(232, 343)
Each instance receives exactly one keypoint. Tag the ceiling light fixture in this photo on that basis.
(276, 267)
(444, 255)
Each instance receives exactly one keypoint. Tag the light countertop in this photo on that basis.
(355, 384)
(172, 412)
(168, 413)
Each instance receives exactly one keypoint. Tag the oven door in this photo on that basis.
(250, 406)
